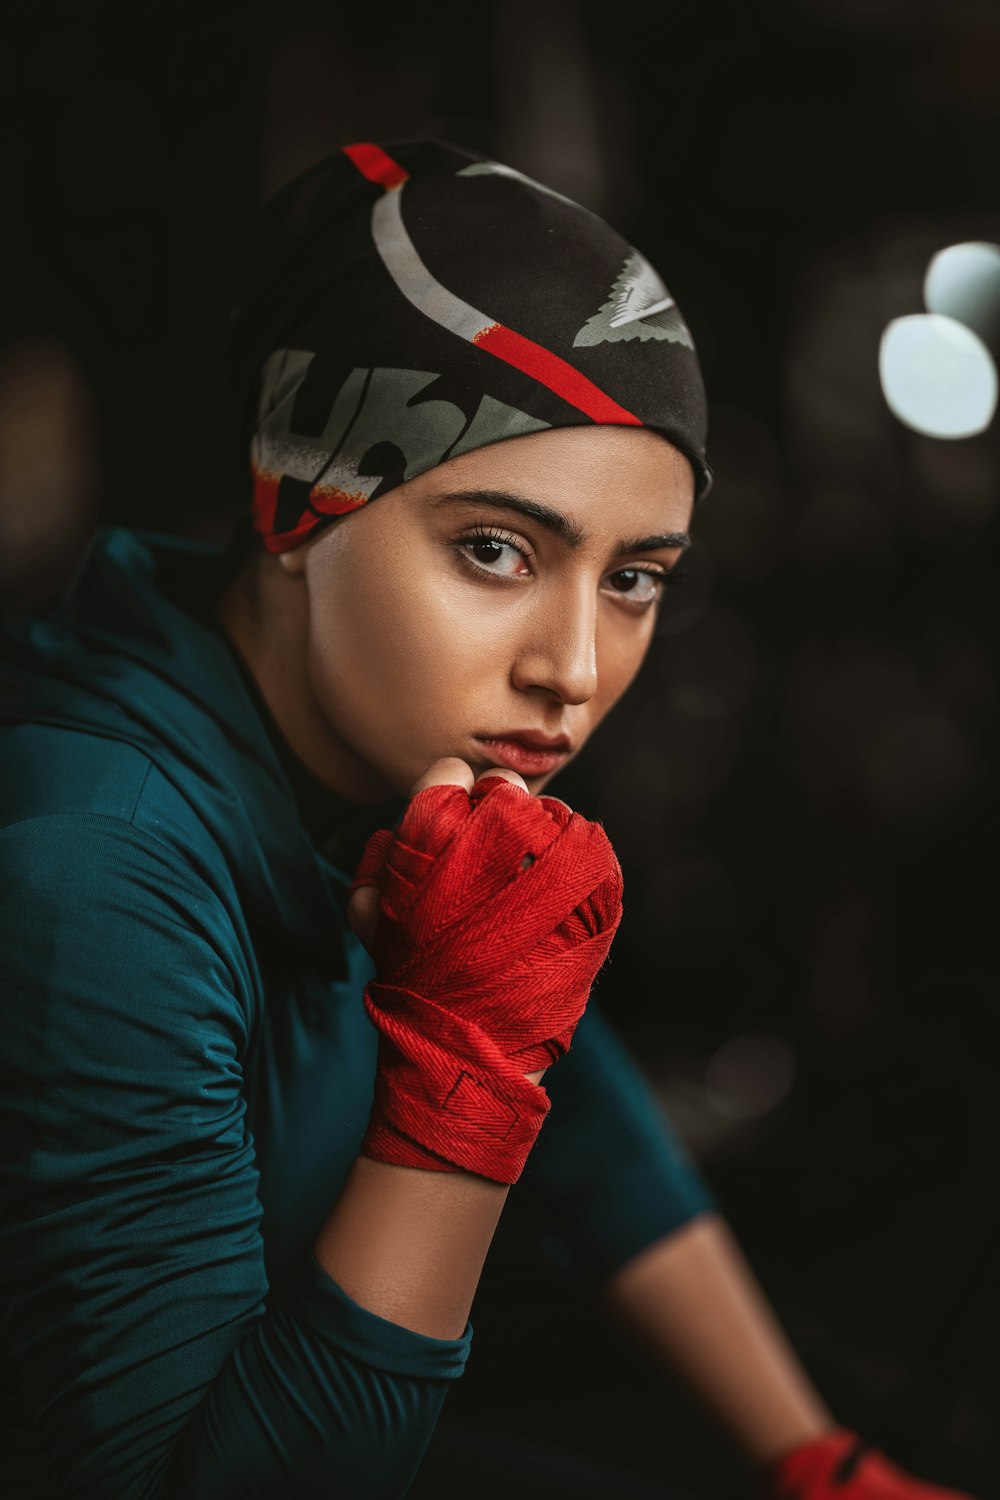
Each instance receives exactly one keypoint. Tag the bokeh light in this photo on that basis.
(963, 282)
(937, 375)
(750, 1075)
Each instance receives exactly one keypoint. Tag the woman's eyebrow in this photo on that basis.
(554, 520)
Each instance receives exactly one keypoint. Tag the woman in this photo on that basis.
(245, 1210)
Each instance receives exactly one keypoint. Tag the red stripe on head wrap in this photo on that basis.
(325, 500)
(551, 371)
(265, 503)
(375, 164)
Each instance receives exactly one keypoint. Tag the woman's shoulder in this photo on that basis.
(64, 772)
(60, 770)
(110, 885)
(95, 815)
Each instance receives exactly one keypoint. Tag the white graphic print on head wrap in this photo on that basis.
(639, 307)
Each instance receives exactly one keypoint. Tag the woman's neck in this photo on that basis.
(261, 612)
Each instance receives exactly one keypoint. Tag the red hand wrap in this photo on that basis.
(839, 1466)
(497, 909)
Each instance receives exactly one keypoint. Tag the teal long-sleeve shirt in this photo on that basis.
(186, 1071)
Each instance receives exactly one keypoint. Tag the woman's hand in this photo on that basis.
(492, 912)
(362, 909)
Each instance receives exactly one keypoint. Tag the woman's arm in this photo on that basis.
(407, 1244)
(617, 1190)
(614, 1181)
(149, 1355)
(693, 1301)
(410, 1245)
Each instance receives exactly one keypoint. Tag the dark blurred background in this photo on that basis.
(800, 784)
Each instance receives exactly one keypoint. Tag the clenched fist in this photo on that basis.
(494, 911)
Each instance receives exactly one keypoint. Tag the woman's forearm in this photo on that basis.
(694, 1301)
(410, 1245)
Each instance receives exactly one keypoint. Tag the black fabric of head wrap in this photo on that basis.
(405, 303)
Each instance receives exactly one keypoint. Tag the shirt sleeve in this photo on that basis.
(608, 1175)
(151, 1356)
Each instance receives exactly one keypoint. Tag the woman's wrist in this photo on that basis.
(409, 1244)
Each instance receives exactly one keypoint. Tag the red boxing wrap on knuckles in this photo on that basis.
(496, 911)
(841, 1466)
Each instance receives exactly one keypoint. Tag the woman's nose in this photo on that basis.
(560, 651)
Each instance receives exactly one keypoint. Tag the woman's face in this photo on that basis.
(508, 591)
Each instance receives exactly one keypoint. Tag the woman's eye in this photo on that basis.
(638, 584)
(493, 554)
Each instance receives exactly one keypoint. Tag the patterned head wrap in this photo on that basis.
(403, 304)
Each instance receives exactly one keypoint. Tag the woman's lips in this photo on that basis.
(522, 758)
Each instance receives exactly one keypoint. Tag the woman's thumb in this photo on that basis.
(362, 914)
